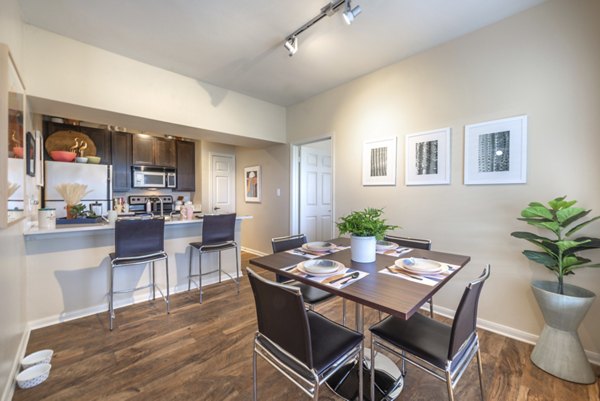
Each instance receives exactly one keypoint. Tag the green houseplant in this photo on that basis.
(559, 350)
(366, 227)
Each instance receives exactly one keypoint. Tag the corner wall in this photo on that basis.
(544, 63)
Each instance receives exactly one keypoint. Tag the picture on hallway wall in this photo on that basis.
(496, 152)
(252, 178)
(428, 158)
(379, 162)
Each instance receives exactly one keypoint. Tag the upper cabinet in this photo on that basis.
(153, 151)
(85, 141)
(186, 171)
(121, 158)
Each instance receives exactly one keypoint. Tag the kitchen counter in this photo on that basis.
(68, 269)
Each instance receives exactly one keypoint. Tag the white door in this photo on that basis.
(222, 194)
(316, 191)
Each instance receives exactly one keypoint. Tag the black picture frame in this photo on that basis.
(30, 153)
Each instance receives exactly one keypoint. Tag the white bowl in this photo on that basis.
(34, 375)
(81, 159)
(43, 356)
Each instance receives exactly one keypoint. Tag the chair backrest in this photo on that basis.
(218, 229)
(135, 238)
(286, 243)
(282, 316)
(465, 319)
(410, 242)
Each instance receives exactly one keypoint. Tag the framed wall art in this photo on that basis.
(428, 158)
(379, 162)
(252, 184)
(496, 152)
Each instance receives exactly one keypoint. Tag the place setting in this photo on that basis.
(390, 248)
(312, 250)
(419, 270)
(328, 272)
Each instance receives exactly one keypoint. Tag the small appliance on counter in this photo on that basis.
(141, 204)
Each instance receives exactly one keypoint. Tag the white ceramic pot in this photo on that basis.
(363, 249)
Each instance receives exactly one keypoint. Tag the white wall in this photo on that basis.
(544, 63)
(70, 72)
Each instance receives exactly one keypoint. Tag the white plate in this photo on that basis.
(421, 266)
(385, 245)
(318, 246)
(320, 267)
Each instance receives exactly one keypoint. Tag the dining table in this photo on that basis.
(381, 285)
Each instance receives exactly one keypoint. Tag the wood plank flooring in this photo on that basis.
(204, 352)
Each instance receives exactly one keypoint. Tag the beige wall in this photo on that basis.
(544, 63)
(271, 215)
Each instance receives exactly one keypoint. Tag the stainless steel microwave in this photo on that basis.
(153, 177)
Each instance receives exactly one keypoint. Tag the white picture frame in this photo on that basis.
(252, 184)
(379, 162)
(428, 158)
(496, 152)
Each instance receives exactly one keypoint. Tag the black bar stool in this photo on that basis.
(218, 234)
(138, 242)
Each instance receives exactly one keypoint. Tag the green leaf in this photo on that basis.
(569, 261)
(573, 213)
(528, 236)
(560, 203)
(542, 258)
(580, 226)
(536, 211)
(535, 204)
(552, 226)
(568, 244)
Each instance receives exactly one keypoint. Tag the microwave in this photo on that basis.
(153, 177)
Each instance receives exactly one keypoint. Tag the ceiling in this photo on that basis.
(238, 44)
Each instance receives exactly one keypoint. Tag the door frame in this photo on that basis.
(295, 161)
(210, 180)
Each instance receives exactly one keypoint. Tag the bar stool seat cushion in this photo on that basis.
(128, 261)
(421, 336)
(329, 340)
(211, 247)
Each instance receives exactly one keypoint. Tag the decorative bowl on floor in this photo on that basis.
(43, 356)
(62, 156)
(34, 375)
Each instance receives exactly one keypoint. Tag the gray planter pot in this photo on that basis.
(559, 350)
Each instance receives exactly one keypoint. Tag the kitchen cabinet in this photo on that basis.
(186, 166)
(100, 137)
(122, 161)
(153, 151)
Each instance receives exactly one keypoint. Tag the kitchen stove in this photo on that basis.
(137, 204)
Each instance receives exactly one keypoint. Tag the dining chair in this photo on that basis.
(312, 296)
(412, 243)
(218, 235)
(304, 346)
(441, 350)
(138, 242)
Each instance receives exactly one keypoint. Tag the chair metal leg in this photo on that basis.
(153, 282)
(372, 387)
(200, 273)
(237, 270)
(403, 367)
(449, 386)
(343, 311)
(480, 368)
(316, 393)
(254, 384)
(111, 311)
(167, 273)
(219, 258)
(431, 307)
(190, 269)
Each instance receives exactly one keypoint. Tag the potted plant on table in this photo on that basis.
(558, 350)
(366, 227)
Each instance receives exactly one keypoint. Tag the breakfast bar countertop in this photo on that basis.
(36, 233)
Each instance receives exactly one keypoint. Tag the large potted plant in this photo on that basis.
(366, 227)
(559, 350)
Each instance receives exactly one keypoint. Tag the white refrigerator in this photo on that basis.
(97, 177)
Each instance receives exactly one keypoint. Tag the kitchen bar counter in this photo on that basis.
(68, 269)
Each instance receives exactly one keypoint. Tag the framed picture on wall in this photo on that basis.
(496, 152)
(428, 158)
(379, 162)
(252, 184)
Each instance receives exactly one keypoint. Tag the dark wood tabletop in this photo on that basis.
(393, 295)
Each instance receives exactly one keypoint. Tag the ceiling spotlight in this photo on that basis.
(291, 44)
(351, 13)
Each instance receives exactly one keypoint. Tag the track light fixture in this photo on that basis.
(291, 42)
(351, 13)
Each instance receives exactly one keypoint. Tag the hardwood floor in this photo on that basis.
(204, 352)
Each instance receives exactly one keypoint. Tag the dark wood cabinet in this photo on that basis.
(186, 166)
(153, 151)
(100, 137)
(121, 161)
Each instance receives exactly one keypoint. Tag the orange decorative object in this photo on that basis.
(62, 156)
(18, 152)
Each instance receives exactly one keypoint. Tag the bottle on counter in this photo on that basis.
(148, 206)
(125, 207)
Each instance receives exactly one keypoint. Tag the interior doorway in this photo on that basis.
(312, 190)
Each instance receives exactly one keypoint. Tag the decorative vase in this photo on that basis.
(559, 350)
(363, 249)
(70, 214)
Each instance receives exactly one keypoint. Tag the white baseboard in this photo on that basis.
(9, 390)
(254, 252)
(506, 331)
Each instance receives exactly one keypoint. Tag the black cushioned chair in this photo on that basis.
(303, 345)
(414, 243)
(440, 350)
(218, 234)
(138, 242)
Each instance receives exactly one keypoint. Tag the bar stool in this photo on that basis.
(218, 234)
(138, 242)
